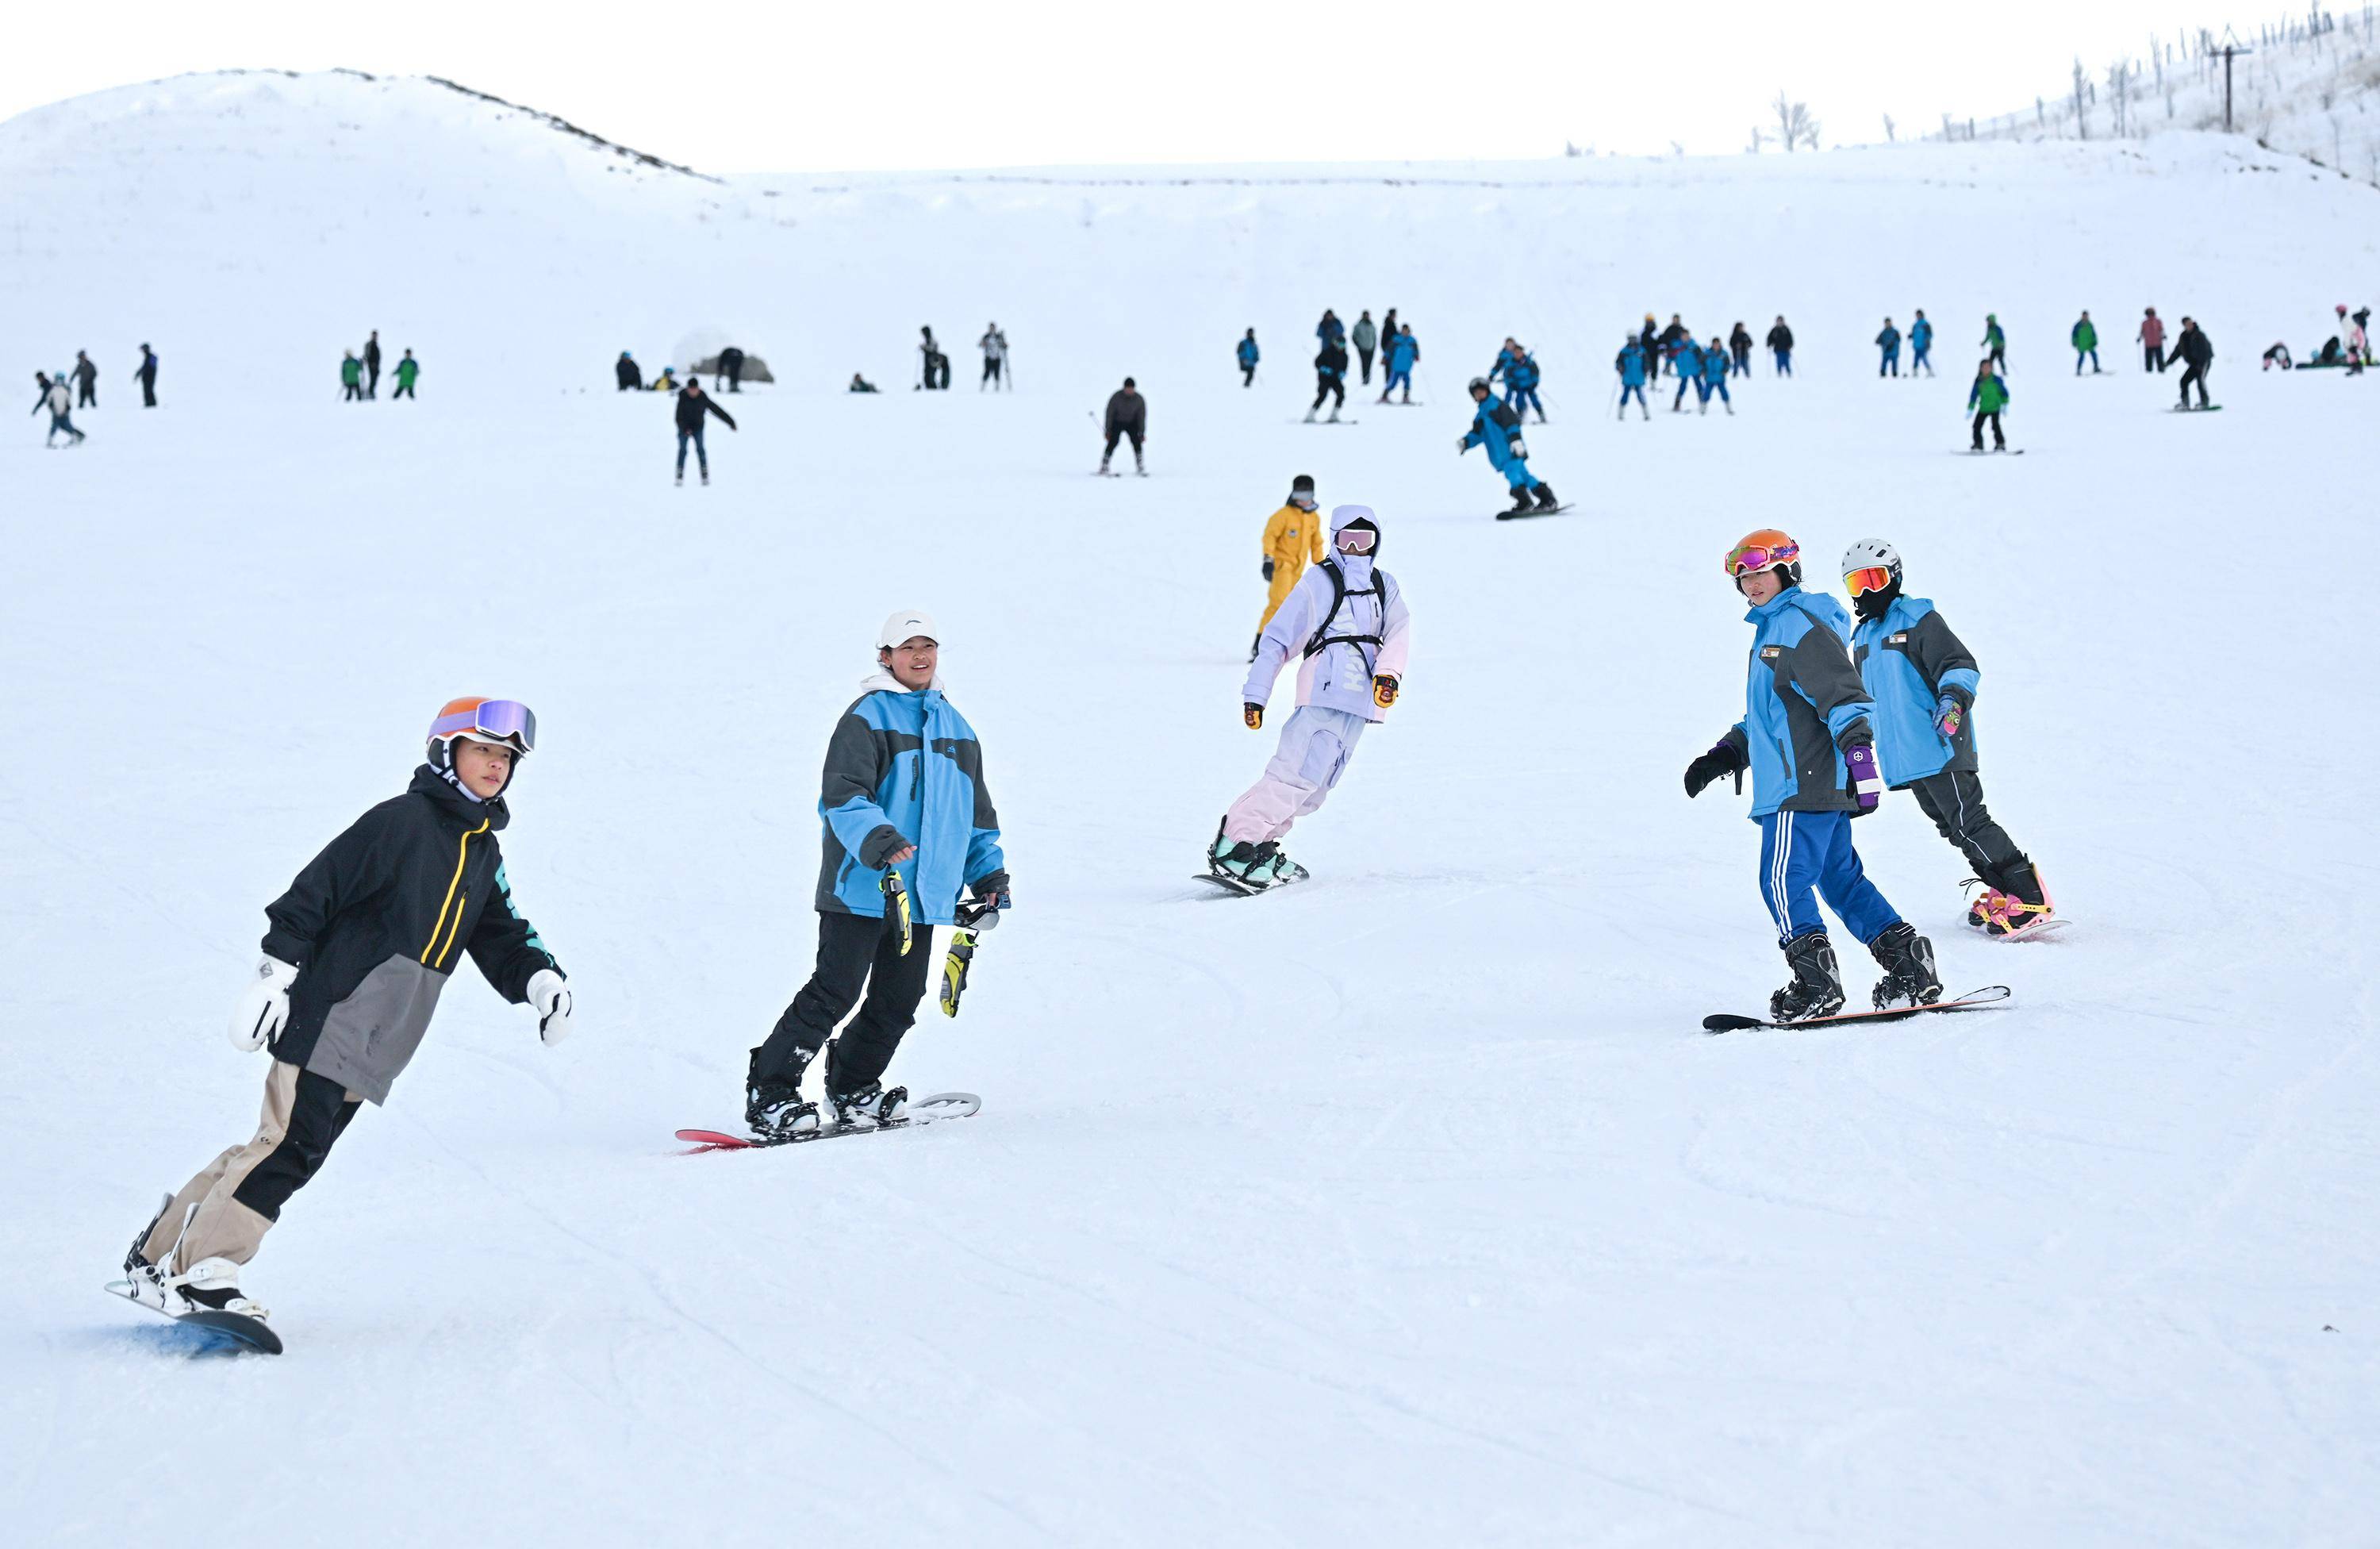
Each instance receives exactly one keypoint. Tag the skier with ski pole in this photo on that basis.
(1497, 427)
(908, 827)
(1347, 618)
(1922, 681)
(1807, 740)
(356, 953)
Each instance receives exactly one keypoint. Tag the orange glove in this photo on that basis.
(1384, 691)
(1253, 714)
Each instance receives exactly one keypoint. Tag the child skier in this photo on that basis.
(2085, 338)
(1888, 341)
(1290, 535)
(1995, 343)
(1634, 363)
(1715, 365)
(908, 825)
(358, 952)
(1401, 353)
(1803, 704)
(1921, 345)
(1985, 399)
(59, 401)
(1330, 377)
(1686, 364)
(1347, 618)
(1519, 370)
(351, 379)
(1923, 682)
(1496, 427)
(407, 371)
(1248, 355)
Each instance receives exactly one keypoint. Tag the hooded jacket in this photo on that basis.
(1364, 600)
(1292, 538)
(1908, 659)
(1803, 704)
(905, 768)
(377, 921)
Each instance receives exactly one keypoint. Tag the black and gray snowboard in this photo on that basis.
(1975, 1000)
(1523, 516)
(923, 1111)
(251, 1333)
(1234, 886)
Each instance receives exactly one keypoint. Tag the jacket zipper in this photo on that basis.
(462, 855)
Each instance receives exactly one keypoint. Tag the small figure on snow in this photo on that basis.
(1364, 339)
(1985, 399)
(1921, 345)
(1715, 369)
(85, 378)
(147, 373)
(908, 825)
(1127, 418)
(1995, 343)
(1922, 681)
(2196, 353)
(1519, 370)
(1347, 618)
(628, 375)
(860, 384)
(693, 406)
(409, 370)
(1292, 536)
(994, 344)
(1739, 347)
(1780, 346)
(1888, 341)
(351, 379)
(2085, 338)
(1686, 363)
(1634, 363)
(934, 366)
(1248, 355)
(356, 954)
(1496, 427)
(1329, 378)
(1402, 351)
(1807, 738)
(55, 396)
(2152, 341)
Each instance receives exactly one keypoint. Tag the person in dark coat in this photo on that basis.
(627, 373)
(148, 375)
(2197, 353)
(693, 405)
(86, 376)
(371, 365)
(1330, 376)
(1780, 346)
(731, 366)
(1127, 417)
(356, 954)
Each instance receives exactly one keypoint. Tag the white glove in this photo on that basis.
(1463, 444)
(263, 1007)
(550, 993)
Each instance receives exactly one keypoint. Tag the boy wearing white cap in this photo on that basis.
(908, 826)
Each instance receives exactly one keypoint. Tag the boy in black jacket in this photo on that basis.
(359, 948)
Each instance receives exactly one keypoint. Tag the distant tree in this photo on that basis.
(2082, 85)
(1795, 127)
(1759, 138)
(1889, 135)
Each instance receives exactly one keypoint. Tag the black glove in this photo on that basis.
(1722, 759)
(1268, 569)
(990, 892)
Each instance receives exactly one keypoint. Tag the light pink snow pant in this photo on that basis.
(1315, 748)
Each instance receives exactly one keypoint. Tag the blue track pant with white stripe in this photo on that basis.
(1802, 850)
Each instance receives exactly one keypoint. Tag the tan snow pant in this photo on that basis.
(239, 1194)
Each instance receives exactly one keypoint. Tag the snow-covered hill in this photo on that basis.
(1407, 1207)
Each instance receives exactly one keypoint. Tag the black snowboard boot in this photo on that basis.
(1818, 987)
(873, 1102)
(773, 1106)
(1521, 504)
(1545, 493)
(1907, 959)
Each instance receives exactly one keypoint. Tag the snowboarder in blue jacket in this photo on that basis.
(1921, 345)
(1888, 342)
(1715, 365)
(1247, 353)
(1634, 364)
(1808, 739)
(1497, 427)
(1922, 681)
(908, 827)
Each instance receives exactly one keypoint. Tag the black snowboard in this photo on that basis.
(924, 1111)
(1523, 516)
(1976, 1000)
(250, 1333)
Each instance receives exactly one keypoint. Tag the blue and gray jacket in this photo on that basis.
(1247, 351)
(1921, 336)
(1496, 427)
(1909, 661)
(1715, 365)
(902, 769)
(1803, 705)
(1631, 363)
(1403, 353)
(1890, 340)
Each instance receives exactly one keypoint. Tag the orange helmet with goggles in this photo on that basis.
(1766, 549)
(505, 723)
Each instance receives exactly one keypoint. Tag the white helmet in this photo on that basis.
(905, 623)
(1870, 552)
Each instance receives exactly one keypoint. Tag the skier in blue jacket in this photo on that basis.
(1808, 739)
(1922, 681)
(1247, 354)
(1688, 365)
(1632, 363)
(1889, 343)
(908, 826)
(1715, 365)
(1921, 345)
(1519, 370)
(1497, 427)
(1402, 353)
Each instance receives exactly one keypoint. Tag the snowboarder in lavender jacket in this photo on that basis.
(1347, 618)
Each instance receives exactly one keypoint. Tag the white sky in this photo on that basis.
(730, 86)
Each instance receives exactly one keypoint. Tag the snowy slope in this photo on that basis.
(1404, 1208)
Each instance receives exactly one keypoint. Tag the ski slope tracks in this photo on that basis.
(1408, 1206)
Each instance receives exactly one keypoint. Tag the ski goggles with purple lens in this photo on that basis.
(488, 720)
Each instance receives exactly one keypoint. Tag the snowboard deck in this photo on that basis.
(251, 1333)
(1242, 890)
(2048, 927)
(1324, 422)
(942, 1106)
(1523, 516)
(2000, 452)
(2202, 408)
(1974, 1000)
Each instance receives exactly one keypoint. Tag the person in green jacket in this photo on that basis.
(1994, 341)
(406, 370)
(1987, 398)
(2086, 342)
(351, 377)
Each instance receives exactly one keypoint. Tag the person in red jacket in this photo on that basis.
(2152, 338)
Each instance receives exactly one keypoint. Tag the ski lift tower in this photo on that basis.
(2233, 47)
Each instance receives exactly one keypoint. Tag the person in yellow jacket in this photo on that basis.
(1292, 538)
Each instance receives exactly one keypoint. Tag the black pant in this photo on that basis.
(735, 377)
(319, 1114)
(2197, 374)
(2152, 357)
(1367, 363)
(990, 372)
(1997, 439)
(371, 369)
(1113, 436)
(1247, 376)
(1955, 802)
(88, 398)
(148, 391)
(2000, 362)
(853, 951)
(1325, 383)
(938, 372)
(354, 390)
(404, 390)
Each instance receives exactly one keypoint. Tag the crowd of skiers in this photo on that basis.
(360, 374)
(60, 394)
